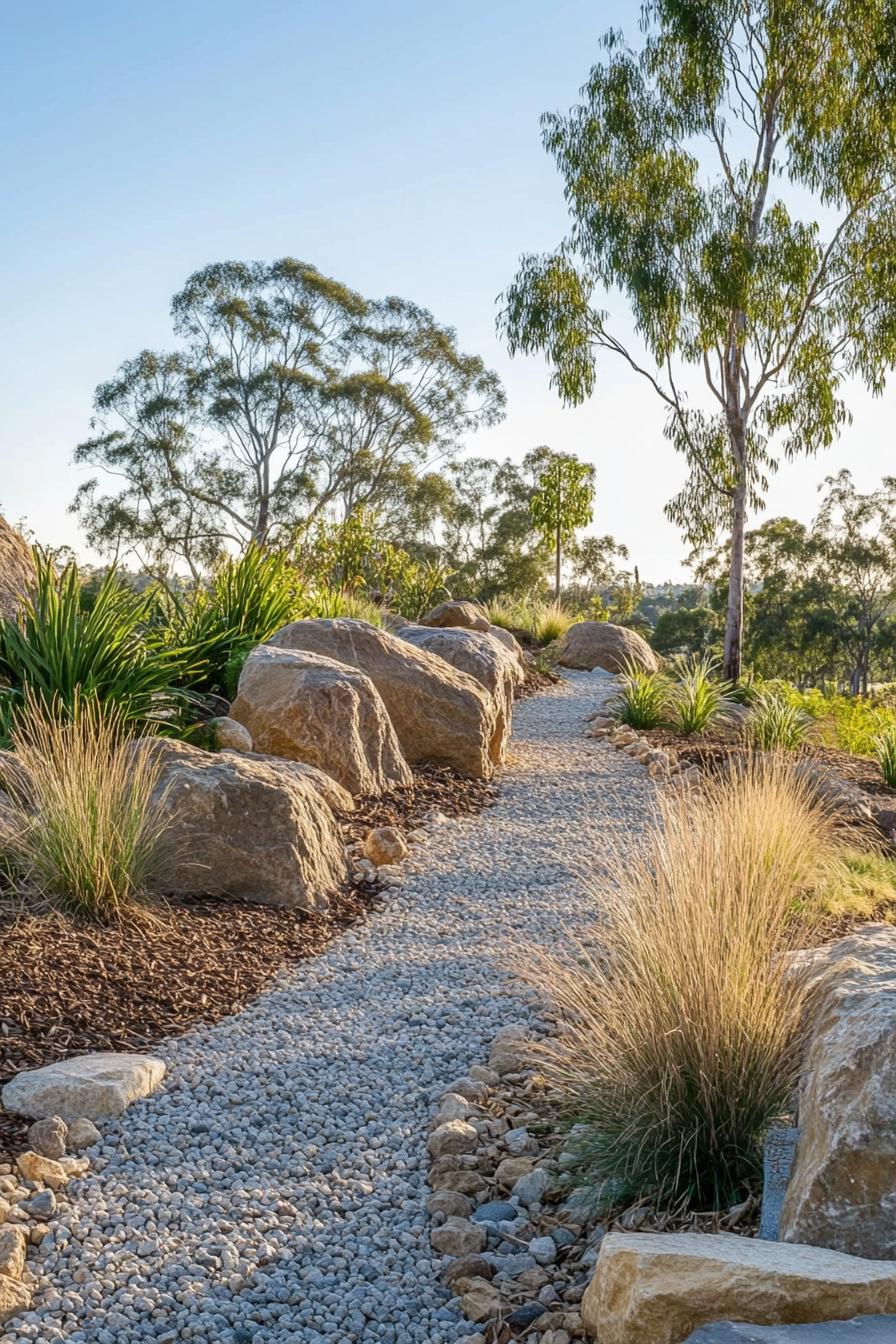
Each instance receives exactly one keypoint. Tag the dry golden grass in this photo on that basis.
(680, 1041)
(81, 829)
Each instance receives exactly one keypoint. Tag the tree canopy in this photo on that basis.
(687, 166)
(290, 394)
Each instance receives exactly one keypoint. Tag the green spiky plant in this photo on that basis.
(697, 698)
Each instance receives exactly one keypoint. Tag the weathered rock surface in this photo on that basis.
(17, 572)
(230, 735)
(48, 1137)
(840, 795)
(43, 1170)
(384, 844)
(12, 1251)
(510, 642)
(15, 1299)
(82, 1133)
(842, 1190)
(590, 644)
(440, 715)
(309, 708)
(657, 1288)
(860, 1330)
(457, 613)
(324, 785)
(458, 1236)
(480, 656)
(87, 1086)
(241, 827)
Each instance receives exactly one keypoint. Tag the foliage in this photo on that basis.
(680, 1035)
(289, 395)
(777, 725)
(60, 653)
(683, 165)
(328, 603)
(861, 884)
(561, 501)
(850, 723)
(246, 601)
(82, 828)
(643, 698)
(685, 630)
(537, 622)
(697, 698)
(885, 751)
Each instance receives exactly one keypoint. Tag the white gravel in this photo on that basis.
(275, 1190)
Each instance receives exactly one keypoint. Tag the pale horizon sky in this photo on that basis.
(396, 147)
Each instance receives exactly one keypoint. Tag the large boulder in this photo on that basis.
(477, 654)
(243, 827)
(456, 612)
(842, 1190)
(656, 1288)
(91, 1087)
(17, 572)
(590, 644)
(441, 715)
(308, 708)
(510, 642)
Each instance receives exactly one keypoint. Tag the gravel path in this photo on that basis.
(275, 1191)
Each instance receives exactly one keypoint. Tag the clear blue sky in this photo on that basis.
(394, 145)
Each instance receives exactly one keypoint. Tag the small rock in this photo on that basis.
(13, 1243)
(230, 735)
(511, 1169)
(82, 1133)
(495, 1211)
(385, 845)
(480, 1301)
(458, 1236)
(454, 1107)
(449, 1203)
(42, 1205)
(520, 1143)
(526, 1315)
(43, 1170)
(544, 1250)
(454, 1136)
(531, 1187)
(74, 1166)
(467, 1267)
(481, 1074)
(47, 1137)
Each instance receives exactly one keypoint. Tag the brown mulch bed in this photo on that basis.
(68, 987)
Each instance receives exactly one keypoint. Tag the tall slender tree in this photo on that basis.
(561, 501)
(684, 166)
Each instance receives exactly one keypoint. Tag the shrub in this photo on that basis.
(81, 829)
(680, 1039)
(697, 697)
(58, 651)
(775, 725)
(885, 751)
(643, 698)
(216, 627)
(549, 621)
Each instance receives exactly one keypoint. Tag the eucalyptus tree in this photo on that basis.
(561, 501)
(289, 395)
(732, 180)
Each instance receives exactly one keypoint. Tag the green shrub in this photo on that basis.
(59, 652)
(697, 697)
(679, 1034)
(776, 725)
(643, 698)
(885, 750)
(540, 622)
(81, 829)
(247, 600)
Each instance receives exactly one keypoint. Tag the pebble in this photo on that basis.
(295, 1131)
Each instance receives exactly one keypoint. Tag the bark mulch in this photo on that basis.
(69, 987)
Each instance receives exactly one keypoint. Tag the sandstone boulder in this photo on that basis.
(12, 1251)
(842, 1191)
(242, 827)
(656, 1288)
(324, 785)
(312, 709)
(457, 612)
(440, 715)
(15, 1299)
(17, 571)
(590, 644)
(480, 656)
(510, 642)
(84, 1087)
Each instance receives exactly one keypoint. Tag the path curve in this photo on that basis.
(275, 1191)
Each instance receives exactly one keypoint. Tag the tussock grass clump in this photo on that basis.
(680, 1042)
(885, 751)
(698, 698)
(541, 622)
(776, 724)
(81, 829)
(643, 697)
